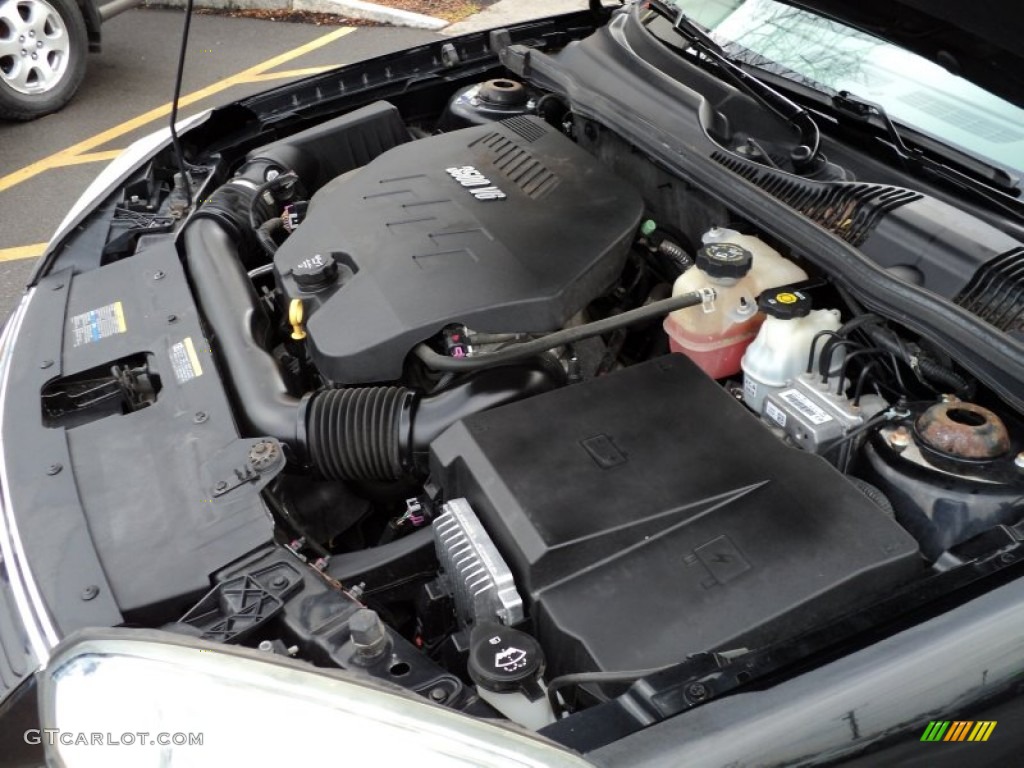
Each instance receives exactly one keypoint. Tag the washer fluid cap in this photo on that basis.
(784, 303)
(503, 659)
(725, 260)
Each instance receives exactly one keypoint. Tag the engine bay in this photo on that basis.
(522, 416)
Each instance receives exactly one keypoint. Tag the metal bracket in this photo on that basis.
(246, 463)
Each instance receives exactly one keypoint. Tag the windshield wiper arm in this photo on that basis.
(862, 110)
(786, 109)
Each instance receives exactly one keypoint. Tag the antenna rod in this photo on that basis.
(182, 166)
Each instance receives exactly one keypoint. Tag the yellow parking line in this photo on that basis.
(22, 252)
(66, 155)
(91, 157)
(285, 74)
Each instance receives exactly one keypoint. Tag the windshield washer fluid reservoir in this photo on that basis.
(779, 353)
(739, 268)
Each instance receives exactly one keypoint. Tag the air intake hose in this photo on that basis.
(382, 433)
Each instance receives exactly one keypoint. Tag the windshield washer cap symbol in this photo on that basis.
(510, 659)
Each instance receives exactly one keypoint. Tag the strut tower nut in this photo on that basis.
(963, 431)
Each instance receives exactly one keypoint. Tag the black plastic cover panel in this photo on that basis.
(123, 509)
(329, 149)
(646, 515)
(506, 227)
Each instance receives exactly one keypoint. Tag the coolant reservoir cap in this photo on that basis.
(784, 303)
(724, 260)
(503, 659)
(315, 272)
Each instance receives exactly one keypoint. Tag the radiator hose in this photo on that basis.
(355, 433)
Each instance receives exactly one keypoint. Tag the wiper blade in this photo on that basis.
(998, 184)
(785, 108)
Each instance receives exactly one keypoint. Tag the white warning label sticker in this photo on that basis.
(805, 406)
(98, 324)
(185, 361)
(775, 413)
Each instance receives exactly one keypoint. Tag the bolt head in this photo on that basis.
(899, 438)
(279, 581)
(46, 364)
(697, 692)
(54, 469)
(90, 592)
(32, 33)
(263, 455)
(221, 486)
(159, 275)
(438, 694)
(266, 645)
(367, 632)
(200, 417)
(35, 56)
(172, 318)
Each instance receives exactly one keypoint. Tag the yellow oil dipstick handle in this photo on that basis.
(296, 315)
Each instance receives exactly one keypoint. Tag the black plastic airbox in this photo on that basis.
(504, 227)
(647, 515)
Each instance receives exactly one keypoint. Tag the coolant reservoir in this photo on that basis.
(783, 344)
(738, 267)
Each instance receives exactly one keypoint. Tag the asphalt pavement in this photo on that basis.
(46, 164)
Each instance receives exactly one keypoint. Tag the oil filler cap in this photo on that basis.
(503, 659)
(315, 272)
(726, 260)
(784, 303)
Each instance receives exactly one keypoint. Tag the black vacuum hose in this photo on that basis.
(913, 356)
(521, 350)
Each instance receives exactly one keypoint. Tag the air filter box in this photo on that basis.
(646, 515)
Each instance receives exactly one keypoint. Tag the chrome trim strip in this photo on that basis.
(34, 616)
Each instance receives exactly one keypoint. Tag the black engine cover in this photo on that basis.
(647, 515)
(506, 227)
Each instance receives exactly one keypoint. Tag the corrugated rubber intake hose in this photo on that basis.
(382, 433)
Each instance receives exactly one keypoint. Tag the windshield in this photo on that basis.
(832, 57)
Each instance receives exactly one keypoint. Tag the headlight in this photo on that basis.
(127, 698)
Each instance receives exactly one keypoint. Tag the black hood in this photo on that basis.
(979, 40)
